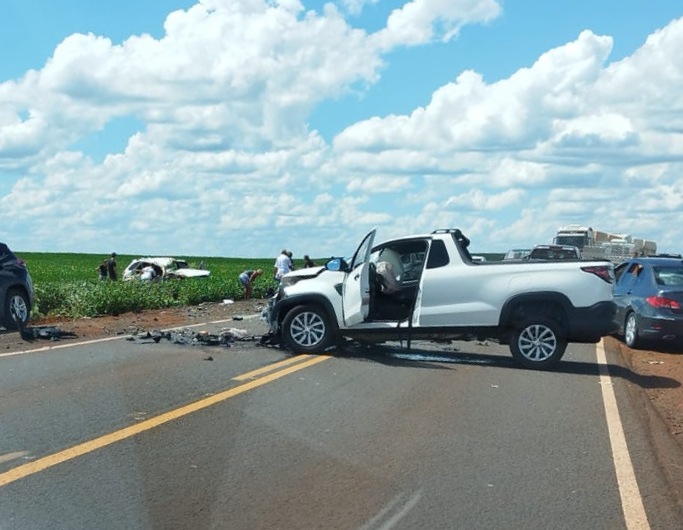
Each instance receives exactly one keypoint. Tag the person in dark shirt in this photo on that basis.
(111, 267)
(102, 270)
(308, 262)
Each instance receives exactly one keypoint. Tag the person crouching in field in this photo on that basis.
(102, 270)
(247, 281)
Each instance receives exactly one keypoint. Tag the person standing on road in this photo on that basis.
(111, 267)
(247, 281)
(283, 265)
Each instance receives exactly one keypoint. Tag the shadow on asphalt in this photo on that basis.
(429, 358)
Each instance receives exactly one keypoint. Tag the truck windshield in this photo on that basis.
(574, 241)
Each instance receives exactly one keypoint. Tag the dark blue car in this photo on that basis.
(16, 290)
(649, 298)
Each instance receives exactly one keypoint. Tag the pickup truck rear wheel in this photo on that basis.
(307, 329)
(538, 343)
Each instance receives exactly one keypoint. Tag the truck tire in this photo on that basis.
(17, 307)
(307, 329)
(538, 343)
(631, 337)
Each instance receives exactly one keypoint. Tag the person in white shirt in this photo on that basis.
(283, 265)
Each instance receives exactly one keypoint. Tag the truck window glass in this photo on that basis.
(438, 255)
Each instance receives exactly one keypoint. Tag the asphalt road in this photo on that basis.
(130, 435)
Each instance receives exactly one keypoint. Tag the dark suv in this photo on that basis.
(16, 289)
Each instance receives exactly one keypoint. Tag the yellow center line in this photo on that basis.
(46, 462)
(270, 368)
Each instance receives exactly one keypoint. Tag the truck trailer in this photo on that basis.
(600, 244)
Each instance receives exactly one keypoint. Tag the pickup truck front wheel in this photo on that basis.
(537, 343)
(307, 329)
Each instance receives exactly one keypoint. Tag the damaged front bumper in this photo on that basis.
(269, 315)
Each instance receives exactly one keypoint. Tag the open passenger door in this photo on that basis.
(356, 288)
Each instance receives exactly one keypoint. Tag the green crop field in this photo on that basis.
(67, 284)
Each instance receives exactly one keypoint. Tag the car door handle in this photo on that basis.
(356, 276)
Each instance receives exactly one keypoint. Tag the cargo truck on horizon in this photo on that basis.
(599, 244)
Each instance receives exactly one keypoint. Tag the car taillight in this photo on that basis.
(662, 301)
(601, 271)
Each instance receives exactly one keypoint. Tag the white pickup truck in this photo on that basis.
(426, 287)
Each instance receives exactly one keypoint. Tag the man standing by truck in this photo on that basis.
(283, 265)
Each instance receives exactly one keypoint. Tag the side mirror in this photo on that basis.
(336, 264)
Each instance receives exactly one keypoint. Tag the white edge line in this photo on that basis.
(632, 506)
(118, 337)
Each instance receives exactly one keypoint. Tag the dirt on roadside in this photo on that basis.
(82, 329)
(667, 364)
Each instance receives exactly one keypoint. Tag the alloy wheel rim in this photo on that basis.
(537, 342)
(630, 329)
(307, 329)
(18, 309)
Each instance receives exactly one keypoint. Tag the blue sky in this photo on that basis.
(240, 127)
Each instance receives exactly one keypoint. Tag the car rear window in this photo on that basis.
(669, 275)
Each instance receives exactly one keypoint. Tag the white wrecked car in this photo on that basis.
(150, 269)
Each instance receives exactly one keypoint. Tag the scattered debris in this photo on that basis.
(52, 333)
(239, 334)
(270, 339)
(188, 337)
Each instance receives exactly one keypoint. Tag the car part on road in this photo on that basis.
(52, 333)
